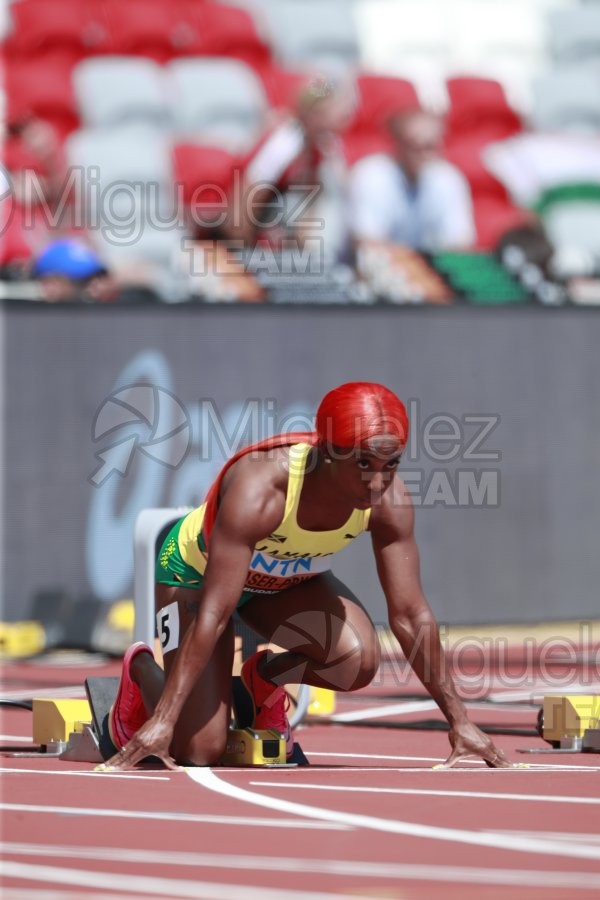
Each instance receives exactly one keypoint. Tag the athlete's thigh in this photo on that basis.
(205, 716)
(320, 618)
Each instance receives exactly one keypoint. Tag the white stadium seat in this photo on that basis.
(574, 34)
(116, 90)
(568, 98)
(222, 101)
(131, 200)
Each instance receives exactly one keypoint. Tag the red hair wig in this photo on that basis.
(348, 416)
(352, 414)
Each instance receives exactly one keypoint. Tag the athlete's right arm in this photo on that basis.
(251, 508)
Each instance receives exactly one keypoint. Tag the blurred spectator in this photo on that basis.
(526, 244)
(33, 148)
(69, 270)
(416, 197)
(35, 206)
(15, 252)
(295, 169)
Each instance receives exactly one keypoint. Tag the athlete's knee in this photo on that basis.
(368, 664)
(354, 664)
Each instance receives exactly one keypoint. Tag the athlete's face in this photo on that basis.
(364, 474)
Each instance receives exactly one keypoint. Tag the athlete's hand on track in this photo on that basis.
(468, 740)
(152, 739)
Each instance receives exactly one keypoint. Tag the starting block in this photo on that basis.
(568, 718)
(570, 723)
(247, 747)
(77, 730)
(54, 721)
(243, 713)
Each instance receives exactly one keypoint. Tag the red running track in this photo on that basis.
(369, 817)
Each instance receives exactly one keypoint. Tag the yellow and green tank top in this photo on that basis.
(290, 554)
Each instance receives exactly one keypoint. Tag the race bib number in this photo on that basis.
(167, 624)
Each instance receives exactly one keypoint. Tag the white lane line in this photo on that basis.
(382, 712)
(439, 759)
(208, 779)
(439, 773)
(333, 867)
(164, 887)
(540, 689)
(476, 795)
(433, 759)
(135, 776)
(92, 812)
(160, 886)
(14, 893)
(556, 835)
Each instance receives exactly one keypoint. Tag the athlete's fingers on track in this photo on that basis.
(129, 756)
(495, 759)
(456, 756)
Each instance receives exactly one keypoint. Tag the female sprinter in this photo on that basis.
(262, 543)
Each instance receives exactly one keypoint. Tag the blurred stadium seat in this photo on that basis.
(114, 90)
(127, 155)
(130, 216)
(493, 209)
(282, 86)
(151, 28)
(313, 33)
(205, 175)
(378, 97)
(41, 87)
(574, 34)
(568, 98)
(219, 100)
(229, 31)
(479, 107)
(74, 29)
(409, 38)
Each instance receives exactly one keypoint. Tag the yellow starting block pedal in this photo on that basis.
(569, 715)
(55, 720)
(21, 639)
(247, 747)
(570, 722)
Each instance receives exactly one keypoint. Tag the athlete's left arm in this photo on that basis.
(415, 626)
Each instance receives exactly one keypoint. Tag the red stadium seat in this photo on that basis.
(494, 217)
(75, 29)
(41, 87)
(466, 154)
(205, 175)
(228, 31)
(493, 208)
(282, 86)
(379, 97)
(479, 106)
(153, 28)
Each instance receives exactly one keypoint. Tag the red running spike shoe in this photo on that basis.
(128, 713)
(271, 703)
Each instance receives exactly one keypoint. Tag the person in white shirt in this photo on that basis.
(416, 197)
